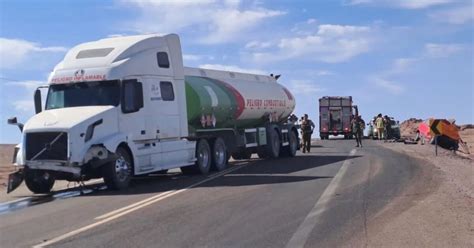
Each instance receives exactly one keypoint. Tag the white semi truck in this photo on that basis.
(126, 106)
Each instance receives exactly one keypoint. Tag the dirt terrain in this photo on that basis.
(6, 154)
(437, 209)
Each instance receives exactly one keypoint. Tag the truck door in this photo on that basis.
(134, 121)
(164, 116)
(132, 118)
(335, 118)
(163, 119)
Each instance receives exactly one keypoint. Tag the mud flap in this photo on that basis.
(14, 180)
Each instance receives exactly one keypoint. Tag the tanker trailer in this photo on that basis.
(126, 106)
(253, 108)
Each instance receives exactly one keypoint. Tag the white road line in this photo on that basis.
(301, 235)
(129, 209)
(153, 198)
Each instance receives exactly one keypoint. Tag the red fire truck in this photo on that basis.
(335, 116)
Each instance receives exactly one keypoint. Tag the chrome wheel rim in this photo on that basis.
(203, 158)
(219, 154)
(122, 169)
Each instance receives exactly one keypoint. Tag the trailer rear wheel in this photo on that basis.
(290, 150)
(117, 174)
(219, 155)
(203, 159)
(273, 146)
(38, 181)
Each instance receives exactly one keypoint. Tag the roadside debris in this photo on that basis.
(441, 132)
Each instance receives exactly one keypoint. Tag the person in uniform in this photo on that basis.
(358, 129)
(388, 127)
(379, 124)
(307, 127)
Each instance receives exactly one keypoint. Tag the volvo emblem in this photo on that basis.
(79, 73)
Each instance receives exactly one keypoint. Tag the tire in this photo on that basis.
(219, 155)
(273, 146)
(39, 181)
(117, 174)
(290, 150)
(203, 159)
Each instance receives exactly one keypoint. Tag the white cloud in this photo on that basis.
(29, 85)
(233, 68)
(330, 43)
(442, 50)
(457, 15)
(24, 105)
(304, 87)
(258, 45)
(191, 57)
(24, 99)
(405, 4)
(15, 51)
(211, 21)
(401, 65)
(228, 24)
(390, 86)
(324, 73)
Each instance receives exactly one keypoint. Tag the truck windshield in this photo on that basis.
(97, 93)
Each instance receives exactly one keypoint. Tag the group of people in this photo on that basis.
(307, 127)
(384, 126)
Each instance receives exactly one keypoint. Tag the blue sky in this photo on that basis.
(404, 58)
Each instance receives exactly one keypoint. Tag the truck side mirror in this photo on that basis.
(13, 121)
(37, 98)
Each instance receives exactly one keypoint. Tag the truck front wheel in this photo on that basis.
(38, 181)
(117, 174)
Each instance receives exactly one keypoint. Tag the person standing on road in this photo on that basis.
(307, 127)
(358, 129)
(387, 127)
(379, 124)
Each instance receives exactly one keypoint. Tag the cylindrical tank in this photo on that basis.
(217, 103)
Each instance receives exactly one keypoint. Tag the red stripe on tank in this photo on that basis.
(239, 99)
(288, 94)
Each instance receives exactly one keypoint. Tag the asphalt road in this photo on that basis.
(320, 199)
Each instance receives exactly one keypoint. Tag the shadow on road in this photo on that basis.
(258, 172)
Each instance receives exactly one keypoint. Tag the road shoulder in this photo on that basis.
(435, 210)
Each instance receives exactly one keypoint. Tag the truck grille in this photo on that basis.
(36, 142)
